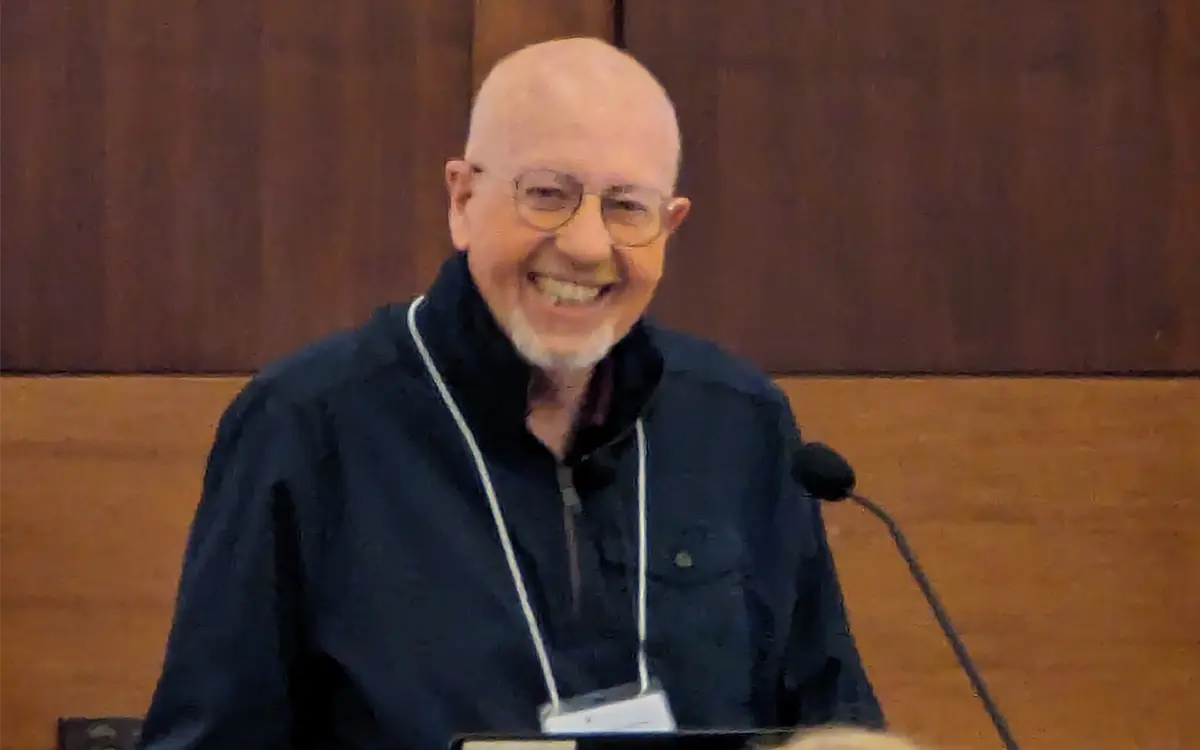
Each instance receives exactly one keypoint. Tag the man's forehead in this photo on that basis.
(599, 153)
(579, 106)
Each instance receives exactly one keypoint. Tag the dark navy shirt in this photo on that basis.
(344, 586)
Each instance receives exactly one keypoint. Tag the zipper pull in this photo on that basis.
(566, 488)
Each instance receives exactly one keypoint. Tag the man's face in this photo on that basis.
(553, 275)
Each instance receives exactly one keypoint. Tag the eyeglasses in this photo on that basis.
(547, 200)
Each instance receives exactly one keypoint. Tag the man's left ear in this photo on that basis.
(677, 211)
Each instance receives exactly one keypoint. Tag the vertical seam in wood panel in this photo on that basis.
(618, 23)
(474, 75)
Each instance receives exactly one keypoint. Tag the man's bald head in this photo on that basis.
(544, 89)
(573, 150)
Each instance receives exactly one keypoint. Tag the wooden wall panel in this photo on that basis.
(936, 185)
(1059, 518)
(502, 26)
(199, 187)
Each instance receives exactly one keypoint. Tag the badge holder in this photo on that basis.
(625, 708)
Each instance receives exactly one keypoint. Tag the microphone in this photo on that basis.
(827, 476)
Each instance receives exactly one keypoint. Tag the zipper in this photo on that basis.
(572, 507)
(571, 510)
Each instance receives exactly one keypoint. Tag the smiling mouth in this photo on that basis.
(563, 292)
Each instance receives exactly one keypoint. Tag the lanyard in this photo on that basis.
(485, 479)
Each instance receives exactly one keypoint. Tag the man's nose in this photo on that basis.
(585, 238)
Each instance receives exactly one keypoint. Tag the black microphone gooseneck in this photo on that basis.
(828, 476)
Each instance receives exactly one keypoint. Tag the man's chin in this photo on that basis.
(554, 360)
(554, 356)
(561, 352)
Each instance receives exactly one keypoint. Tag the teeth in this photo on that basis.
(565, 291)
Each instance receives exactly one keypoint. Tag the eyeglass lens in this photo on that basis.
(548, 199)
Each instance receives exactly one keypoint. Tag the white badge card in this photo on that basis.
(626, 708)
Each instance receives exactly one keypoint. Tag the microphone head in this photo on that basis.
(823, 472)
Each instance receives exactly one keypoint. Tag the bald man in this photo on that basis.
(513, 504)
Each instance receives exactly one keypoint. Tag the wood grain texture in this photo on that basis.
(502, 26)
(1060, 519)
(939, 186)
(200, 187)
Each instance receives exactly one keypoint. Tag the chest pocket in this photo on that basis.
(698, 624)
(695, 585)
(696, 554)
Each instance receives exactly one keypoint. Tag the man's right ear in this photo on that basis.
(459, 187)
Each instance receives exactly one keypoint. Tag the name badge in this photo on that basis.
(625, 708)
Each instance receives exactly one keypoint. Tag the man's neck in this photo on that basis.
(555, 400)
(559, 389)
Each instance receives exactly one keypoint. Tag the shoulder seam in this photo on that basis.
(277, 385)
(766, 396)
